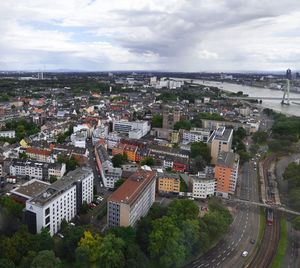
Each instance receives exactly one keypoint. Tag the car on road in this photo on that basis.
(252, 241)
(245, 253)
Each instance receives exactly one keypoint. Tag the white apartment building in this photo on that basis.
(61, 200)
(203, 186)
(135, 134)
(99, 133)
(127, 126)
(108, 172)
(79, 138)
(196, 135)
(8, 134)
(36, 170)
(112, 140)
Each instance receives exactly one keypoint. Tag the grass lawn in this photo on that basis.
(276, 263)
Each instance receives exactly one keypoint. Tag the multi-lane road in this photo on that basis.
(227, 253)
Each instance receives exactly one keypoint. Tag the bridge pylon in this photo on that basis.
(286, 94)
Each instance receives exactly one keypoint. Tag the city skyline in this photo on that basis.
(171, 35)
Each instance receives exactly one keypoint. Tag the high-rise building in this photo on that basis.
(59, 201)
(40, 75)
(289, 74)
(132, 200)
(226, 173)
(220, 140)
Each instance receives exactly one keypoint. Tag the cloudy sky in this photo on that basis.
(175, 35)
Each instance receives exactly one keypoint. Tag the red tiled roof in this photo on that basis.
(130, 190)
(32, 150)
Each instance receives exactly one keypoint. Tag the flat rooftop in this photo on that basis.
(58, 187)
(133, 187)
(227, 159)
(31, 188)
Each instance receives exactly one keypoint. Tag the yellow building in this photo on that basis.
(24, 144)
(175, 137)
(168, 183)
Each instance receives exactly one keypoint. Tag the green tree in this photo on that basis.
(211, 116)
(183, 209)
(44, 240)
(27, 260)
(191, 234)
(118, 160)
(200, 148)
(72, 236)
(296, 223)
(23, 155)
(166, 243)
(11, 207)
(111, 252)
(45, 259)
(5, 263)
(53, 179)
(134, 257)
(260, 137)
(197, 164)
(183, 124)
(118, 183)
(149, 161)
(157, 121)
(84, 208)
(91, 244)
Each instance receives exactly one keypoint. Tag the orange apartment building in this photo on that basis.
(168, 183)
(226, 173)
(130, 150)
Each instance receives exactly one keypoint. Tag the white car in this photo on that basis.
(100, 198)
(245, 253)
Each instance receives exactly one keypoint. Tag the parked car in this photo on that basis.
(245, 253)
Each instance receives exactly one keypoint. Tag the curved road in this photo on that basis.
(227, 253)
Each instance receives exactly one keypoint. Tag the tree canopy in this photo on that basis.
(200, 148)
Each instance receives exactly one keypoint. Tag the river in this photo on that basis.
(292, 109)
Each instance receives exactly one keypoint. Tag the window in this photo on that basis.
(47, 211)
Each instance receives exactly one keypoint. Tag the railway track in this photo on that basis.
(267, 250)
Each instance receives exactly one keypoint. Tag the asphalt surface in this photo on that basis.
(227, 253)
